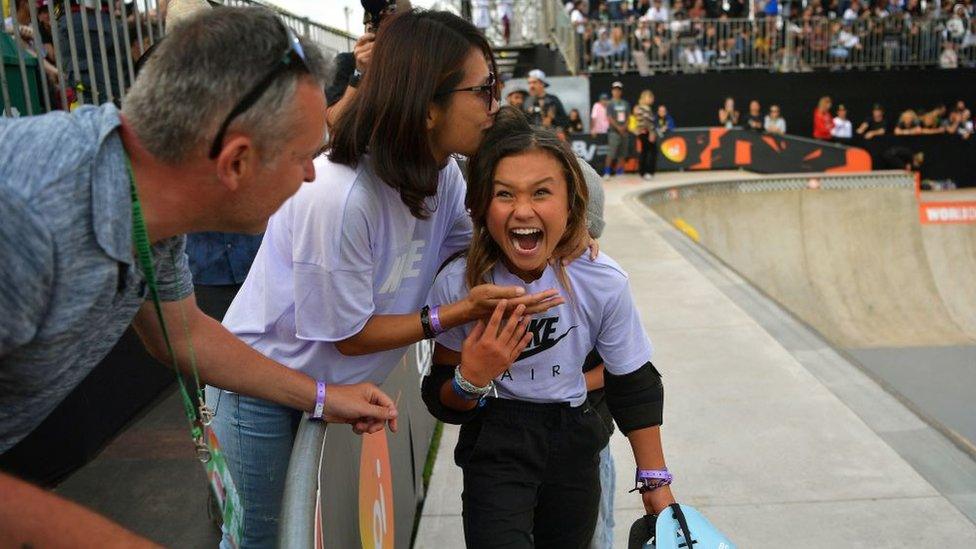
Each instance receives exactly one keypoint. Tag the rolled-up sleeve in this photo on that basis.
(173, 276)
(333, 270)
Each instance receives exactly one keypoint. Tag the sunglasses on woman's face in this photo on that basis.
(488, 91)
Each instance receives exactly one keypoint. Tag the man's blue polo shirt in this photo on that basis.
(69, 284)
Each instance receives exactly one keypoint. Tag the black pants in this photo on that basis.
(531, 475)
(648, 155)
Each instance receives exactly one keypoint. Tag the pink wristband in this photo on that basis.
(319, 400)
(435, 320)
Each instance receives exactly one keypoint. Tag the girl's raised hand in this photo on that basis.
(492, 347)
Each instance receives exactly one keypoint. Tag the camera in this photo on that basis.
(375, 11)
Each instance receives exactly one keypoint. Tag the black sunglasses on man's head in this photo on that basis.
(294, 56)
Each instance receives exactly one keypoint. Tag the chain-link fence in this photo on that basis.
(771, 183)
(60, 54)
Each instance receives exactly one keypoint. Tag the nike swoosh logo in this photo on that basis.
(544, 347)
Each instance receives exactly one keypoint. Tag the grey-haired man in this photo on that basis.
(218, 131)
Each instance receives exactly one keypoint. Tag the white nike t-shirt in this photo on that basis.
(600, 314)
(343, 249)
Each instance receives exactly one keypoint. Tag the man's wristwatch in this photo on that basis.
(355, 79)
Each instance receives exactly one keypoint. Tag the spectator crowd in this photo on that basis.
(939, 120)
(620, 35)
(633, 131)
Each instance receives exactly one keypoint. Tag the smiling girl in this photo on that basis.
(529, 443)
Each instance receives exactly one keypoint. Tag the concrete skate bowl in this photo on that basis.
(849, 256)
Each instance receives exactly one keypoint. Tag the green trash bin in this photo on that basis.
(19, 91)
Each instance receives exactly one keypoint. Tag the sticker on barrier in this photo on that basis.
(376, 493)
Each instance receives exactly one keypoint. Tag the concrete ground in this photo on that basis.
(150, 481)
(858, 266)
(779, 439)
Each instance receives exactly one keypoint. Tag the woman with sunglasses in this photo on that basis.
(338, 288)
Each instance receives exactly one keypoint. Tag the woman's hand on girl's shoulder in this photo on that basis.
(588, 243)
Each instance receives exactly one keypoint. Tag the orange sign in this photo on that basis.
(675, 149)
(743, 152)
(375, 493)
(947, 212)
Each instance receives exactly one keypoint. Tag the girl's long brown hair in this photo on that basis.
(511, 135)
(418, 56)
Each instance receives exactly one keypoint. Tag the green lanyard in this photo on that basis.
(197, 412)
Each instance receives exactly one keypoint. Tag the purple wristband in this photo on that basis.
(435, 320)
(651, 479)
(319, 410)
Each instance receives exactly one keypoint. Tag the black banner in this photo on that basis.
(724, 149)
(693, 99)
(946, 157)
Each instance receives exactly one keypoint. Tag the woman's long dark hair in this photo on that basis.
(417, 55)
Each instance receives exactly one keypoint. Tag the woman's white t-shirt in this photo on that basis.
(343, 249)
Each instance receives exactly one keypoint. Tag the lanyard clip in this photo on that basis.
(203, 451)
(206, 415)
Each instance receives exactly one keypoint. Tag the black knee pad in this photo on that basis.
(636, 400)
(430, 391)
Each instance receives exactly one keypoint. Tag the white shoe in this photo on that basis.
(648, 177)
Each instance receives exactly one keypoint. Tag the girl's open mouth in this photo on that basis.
(525, 240)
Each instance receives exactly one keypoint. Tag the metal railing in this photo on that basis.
(562, 33)
(300, 501)
(66, 54)
(330, 39)
(525, 25)
(775, 44)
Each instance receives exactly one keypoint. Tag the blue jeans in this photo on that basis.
(256, 437)
(603, 535)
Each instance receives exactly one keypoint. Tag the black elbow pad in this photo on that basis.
(430, 390)
(636, 400)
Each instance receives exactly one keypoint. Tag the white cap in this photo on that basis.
(539, 75)
(617, 84)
